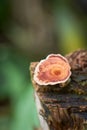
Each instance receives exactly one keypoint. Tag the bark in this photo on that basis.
(64, 106)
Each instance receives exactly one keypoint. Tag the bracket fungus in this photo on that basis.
(53, 70)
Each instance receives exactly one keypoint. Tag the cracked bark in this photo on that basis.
(64, 106)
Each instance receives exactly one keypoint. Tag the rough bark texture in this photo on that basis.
(64, 106)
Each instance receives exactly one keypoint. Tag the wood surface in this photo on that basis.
(64, 106)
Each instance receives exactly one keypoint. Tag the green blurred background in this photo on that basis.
(29, 31)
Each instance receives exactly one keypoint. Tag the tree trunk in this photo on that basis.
(64, 106)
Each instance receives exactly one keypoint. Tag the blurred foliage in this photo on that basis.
(5, 11)
(24, 115)
(15, 84)
(29, 31)
(69, 30)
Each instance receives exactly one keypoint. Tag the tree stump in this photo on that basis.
(64, 106)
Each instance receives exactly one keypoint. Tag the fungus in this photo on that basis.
(53, 70)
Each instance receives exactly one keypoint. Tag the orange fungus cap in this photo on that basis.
(53, 70)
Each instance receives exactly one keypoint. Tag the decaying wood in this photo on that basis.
(64, 106)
